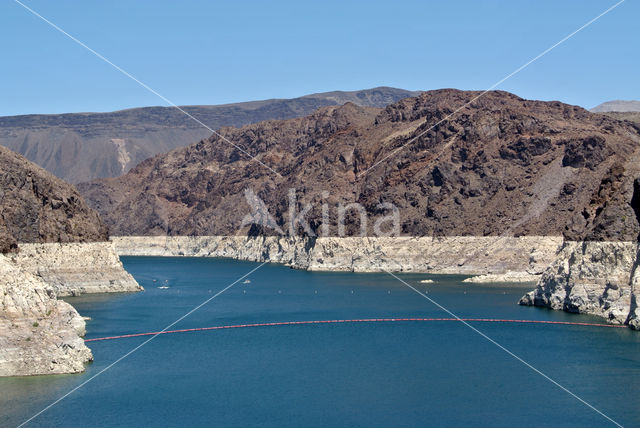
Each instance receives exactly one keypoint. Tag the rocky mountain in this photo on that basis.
(37, 207)
(617, 105)
(83, 146)
(501, 165)
(38, 333)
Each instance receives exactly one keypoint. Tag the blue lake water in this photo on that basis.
(360, 374)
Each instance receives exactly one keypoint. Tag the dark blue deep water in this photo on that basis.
(367, 374)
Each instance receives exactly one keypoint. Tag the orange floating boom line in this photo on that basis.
(285, 323)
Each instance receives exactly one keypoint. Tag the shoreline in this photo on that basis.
(595, 278)
(464, 255)
(41, 333)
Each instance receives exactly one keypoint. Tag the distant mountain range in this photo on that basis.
(617, 105)
(83, 146)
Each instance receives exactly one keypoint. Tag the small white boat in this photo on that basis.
(163, 287)
(247, 281)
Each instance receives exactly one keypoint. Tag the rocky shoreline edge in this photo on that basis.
(591, 277)
(40, 334)
(43, 335)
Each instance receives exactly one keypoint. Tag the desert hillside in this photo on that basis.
(37, 207)
(502, 165)
(83, 146)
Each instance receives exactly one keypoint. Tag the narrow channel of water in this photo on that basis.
(364, 374)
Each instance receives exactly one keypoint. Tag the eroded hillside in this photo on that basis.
(501, 165)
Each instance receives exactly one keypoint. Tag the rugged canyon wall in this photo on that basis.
(500, 166)
(596, 278)
(51, 244)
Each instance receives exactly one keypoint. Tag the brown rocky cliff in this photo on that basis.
(37, 207)
(501, 165)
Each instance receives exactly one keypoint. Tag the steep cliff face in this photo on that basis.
(50, 240)
(597, 278)
(501, 165)
(38, 333)
(53, 233)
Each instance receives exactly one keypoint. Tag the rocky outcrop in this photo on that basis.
(76, 268)
(461, 255)
(38, 333)
(597, 278)
(35, 206)
(508, 277)
(51, 241)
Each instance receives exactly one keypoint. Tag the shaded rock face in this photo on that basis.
(83, 146)
(586, 152)
(38, 333)
(35, 206)
(501, 165)
(7, 240)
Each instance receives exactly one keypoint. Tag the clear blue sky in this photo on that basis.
(201, 52)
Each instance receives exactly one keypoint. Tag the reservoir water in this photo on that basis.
(408, 373)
